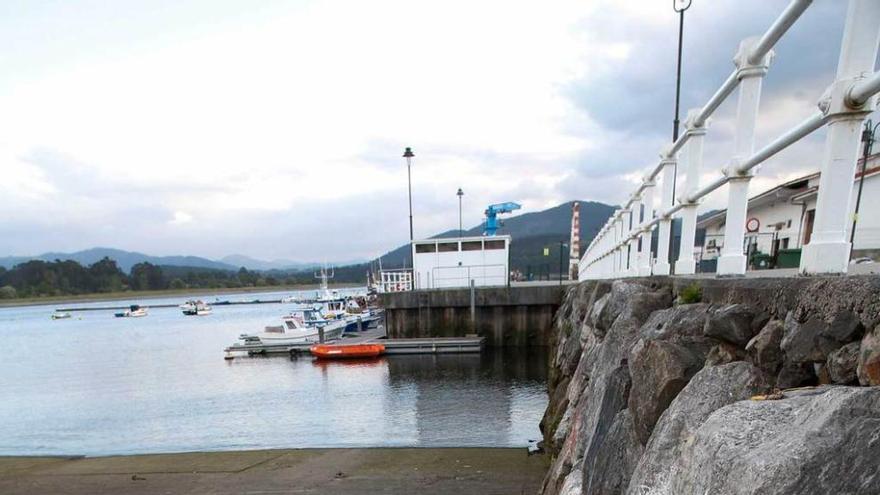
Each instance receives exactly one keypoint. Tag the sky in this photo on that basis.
(275, 129)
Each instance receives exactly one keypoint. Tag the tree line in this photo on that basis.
(37, 278)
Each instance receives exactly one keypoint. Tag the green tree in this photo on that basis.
(147, 276)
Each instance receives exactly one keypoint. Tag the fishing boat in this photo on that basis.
(195, 308)
(133, 311)
(60, 315)
(346, 351)
(295, 331)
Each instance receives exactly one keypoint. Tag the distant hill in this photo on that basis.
(125, 259)
(240, 260)
(531, 233)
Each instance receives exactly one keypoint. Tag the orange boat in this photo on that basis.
(340, 351)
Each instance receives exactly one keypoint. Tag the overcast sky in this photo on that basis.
(275, 128)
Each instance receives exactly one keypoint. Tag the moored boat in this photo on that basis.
(133, 311)
(196, 308)
(60, 315)
(346, 351)
(295, 331)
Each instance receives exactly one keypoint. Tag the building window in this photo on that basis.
(472, 245)
(788, 225)
(447, 247)
(426, 248)
(496, 244)
(784, 242)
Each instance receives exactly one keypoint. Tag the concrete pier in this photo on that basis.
(505, 316)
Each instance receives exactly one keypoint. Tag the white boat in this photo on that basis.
(293, 331)
(133, 311)
(60, 315)
(196, 308)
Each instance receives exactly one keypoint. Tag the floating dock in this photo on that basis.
(446, 345)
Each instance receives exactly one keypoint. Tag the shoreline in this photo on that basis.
(157, 294)
(429, 470)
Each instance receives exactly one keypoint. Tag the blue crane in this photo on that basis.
(492, 212)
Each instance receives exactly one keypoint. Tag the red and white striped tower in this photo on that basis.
(575, 241)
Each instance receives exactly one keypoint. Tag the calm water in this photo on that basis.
(100, 385)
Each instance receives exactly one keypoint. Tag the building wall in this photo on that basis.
(457, 267)
(867, 238)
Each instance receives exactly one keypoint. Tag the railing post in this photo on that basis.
(635, 210)
(645, 251)
(685, 264)
(732, 260)
(661, 267)
(829, 249)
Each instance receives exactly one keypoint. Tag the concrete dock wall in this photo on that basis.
(506, 316)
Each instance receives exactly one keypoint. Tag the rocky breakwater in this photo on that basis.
(721, 386)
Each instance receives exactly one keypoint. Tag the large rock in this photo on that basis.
(671, 349)
(710, 389)
(818, 441)
(610, 473)
(842, 364)
(793, 375)
(764, 347)
(735, 323)
(659, 370)
(816, 338)
(606, 377)
(869, 358)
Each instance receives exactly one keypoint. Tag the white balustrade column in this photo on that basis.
(829, 248)
(685, 264)
(619, 247)
(732, 260)
(635, 211)
(645, 248)
(661, 267)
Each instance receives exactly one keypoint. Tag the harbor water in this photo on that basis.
(98, 385)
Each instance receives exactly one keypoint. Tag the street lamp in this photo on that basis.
(460, 193)
(868, 140)
(408, 154)
(678, 6)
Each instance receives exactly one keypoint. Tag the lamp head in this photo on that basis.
(681, 5)
(460, 192)
(407, 153)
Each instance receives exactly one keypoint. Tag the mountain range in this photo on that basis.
(531, 232)
(127, 259)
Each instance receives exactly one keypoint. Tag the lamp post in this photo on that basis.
(678, 6)
(868, 140)
(460, 193)
(408, 154)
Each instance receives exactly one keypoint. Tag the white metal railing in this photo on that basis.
(623, 246)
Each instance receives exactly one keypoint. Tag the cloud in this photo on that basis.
(278, 131)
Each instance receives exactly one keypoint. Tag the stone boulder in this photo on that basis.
(638, 298)
(869, 358)
(710, 389)
(659, 370)
(610, 473)
(724, 353)
(734, 323)
(813, 441)
(842, 364)
(793, 375)
(813, 340)
(764, 347)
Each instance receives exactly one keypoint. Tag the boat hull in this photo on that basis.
(347, 351)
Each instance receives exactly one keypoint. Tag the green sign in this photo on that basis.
(546, 251)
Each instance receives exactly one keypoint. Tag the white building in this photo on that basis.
(782, 219)
(454, 262)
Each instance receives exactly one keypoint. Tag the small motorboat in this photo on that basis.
(133, 311)
(346, 351)
(60, 315)
(195, 308)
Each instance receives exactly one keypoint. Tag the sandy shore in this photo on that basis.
(460, 471)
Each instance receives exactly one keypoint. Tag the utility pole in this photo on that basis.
(408, 154)
(561, 253)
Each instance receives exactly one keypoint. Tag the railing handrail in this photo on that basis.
(848, 99)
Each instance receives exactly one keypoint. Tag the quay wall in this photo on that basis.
(680, 385)
(505, 316)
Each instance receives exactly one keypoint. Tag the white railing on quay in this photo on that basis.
(622, 248)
